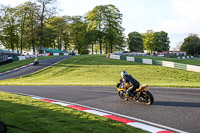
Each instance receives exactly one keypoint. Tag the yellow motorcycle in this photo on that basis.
(142, 93)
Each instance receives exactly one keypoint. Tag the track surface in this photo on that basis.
(173, 107)
(31, 69)
(178, 108)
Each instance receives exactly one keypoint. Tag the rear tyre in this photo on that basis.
(147, 98)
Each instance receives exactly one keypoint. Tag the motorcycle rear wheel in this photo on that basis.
(147, 98)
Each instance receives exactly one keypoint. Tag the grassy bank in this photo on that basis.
(99, 70)
(183, 61)
(23, 114)
(20, 63)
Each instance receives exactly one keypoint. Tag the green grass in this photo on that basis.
(20, 63)
(23, 114)
(183, 61)
(101, 71)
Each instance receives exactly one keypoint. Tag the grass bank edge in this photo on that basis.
(28, 113)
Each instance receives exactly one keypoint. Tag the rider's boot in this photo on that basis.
(127, 96)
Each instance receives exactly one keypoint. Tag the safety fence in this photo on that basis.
(157, 62)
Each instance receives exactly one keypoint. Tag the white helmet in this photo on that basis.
(123, 73)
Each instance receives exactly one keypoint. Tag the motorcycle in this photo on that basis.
(36, 63)
(142, 94)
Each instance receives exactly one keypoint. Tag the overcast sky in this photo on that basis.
(178, 18)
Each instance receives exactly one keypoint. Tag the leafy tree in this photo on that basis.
(191, 45)
(91, 38)
(32, 27)
(161, 41)
(78, 29)
(113, 29)
(46, 11)
(156, 41)
(58, 32)
(21, 12)
(106, 21)
(135, 42)
(149, 41)
(9, 25)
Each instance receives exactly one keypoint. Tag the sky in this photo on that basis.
(178, 18)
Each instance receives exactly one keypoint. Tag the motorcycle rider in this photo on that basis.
(36, 60)
(134, 84)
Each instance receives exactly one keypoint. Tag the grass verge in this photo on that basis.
(101, 71)
(23, 114)
(20, 63)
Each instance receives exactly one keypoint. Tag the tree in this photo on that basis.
(58, 32)
(106, 21)
(135, 42)
(191, 45)
(45, 12)
(32, 28)
(113, 28)
(78, 29)
(21, 12)
(91, 38)
(149, 41)
(161, 41)
(9, 25)
(156, 41)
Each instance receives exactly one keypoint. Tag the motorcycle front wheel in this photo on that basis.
(147, 97)
(122, 94)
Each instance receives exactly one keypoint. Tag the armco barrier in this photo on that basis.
(158, 62)
(180, 66)
(147, 61)
(115, 56)
(168, 64)
(122, 57)
(138, 60)
(130, 59)
(193, 68)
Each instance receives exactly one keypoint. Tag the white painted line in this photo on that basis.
(145, 127)
(36, 97)
(96, 112)
(60, 103)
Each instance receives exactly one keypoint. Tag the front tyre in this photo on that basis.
(122, 94)
(147, 97)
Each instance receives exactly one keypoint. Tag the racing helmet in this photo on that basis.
(123, 73)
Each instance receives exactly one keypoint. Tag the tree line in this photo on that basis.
(36, 25)
(151, 41)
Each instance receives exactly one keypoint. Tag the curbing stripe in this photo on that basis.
(165, 132)
(16, 68)
(78, 107)
(60, 103)
(109, 116)
(96, 112)
(46, 100)
(117, 118)
(145, 127)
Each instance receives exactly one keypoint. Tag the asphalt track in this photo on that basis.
(30, 69)
(178, 108)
